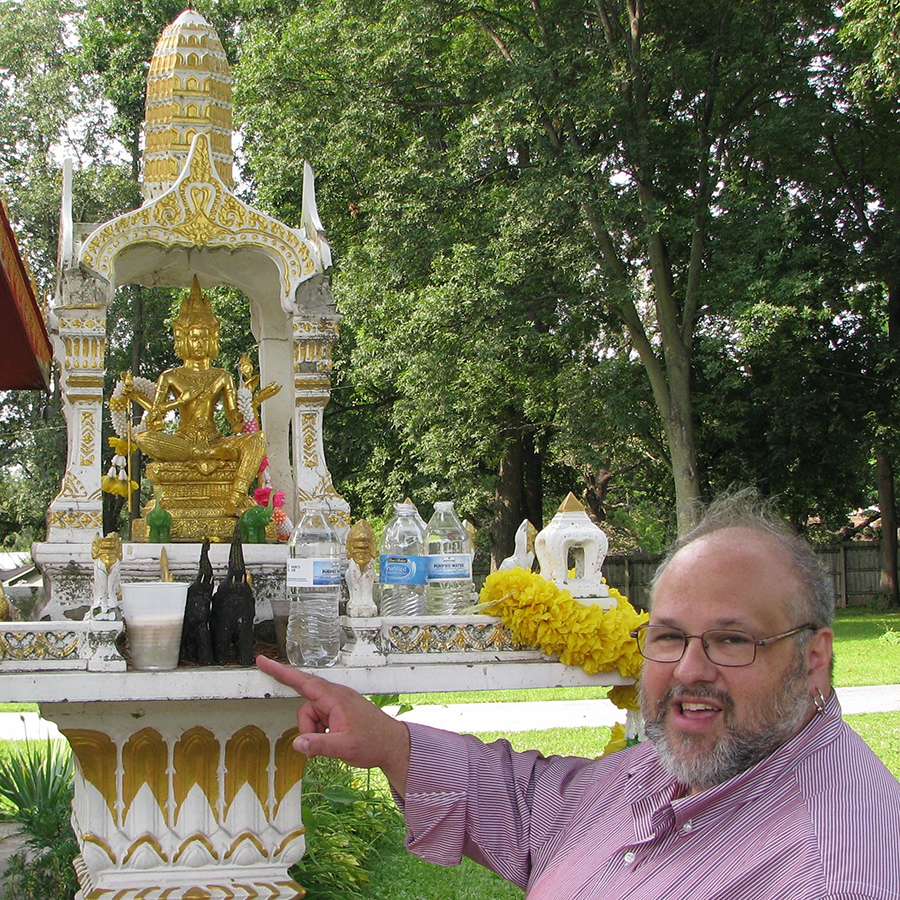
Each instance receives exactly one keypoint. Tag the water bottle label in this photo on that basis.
(450, 565)
(313, 572)
(402, 569)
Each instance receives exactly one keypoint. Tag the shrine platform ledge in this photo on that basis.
(230, 682)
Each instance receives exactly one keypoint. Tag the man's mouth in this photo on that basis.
(695, 709)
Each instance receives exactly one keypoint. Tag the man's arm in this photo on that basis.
(338, 722)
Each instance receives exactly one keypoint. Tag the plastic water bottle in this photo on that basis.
(402, 564)
(417, 516)
(449, 563)
(314, 591)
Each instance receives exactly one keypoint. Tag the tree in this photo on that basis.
(45, 112)
(601, 136)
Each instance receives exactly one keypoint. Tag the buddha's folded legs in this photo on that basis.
(248, 449)
(252, 448)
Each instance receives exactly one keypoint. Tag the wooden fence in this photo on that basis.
(855, 570)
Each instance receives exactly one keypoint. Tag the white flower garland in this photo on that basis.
(245, 403)
(118, 413)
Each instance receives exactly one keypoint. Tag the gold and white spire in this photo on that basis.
(188, 93)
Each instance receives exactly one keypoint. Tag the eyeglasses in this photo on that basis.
(661, 643)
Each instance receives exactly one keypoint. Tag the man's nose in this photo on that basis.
(695, 665)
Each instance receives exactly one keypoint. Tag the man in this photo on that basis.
(751, 786)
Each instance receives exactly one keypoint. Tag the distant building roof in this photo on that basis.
(25, 350)
(13, 559)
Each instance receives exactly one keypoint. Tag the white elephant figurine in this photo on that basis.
(524, 544)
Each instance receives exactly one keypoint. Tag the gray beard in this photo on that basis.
(739, 749)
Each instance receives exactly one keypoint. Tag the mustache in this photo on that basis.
(698, 692)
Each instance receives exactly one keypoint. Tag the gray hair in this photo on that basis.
(745, 509)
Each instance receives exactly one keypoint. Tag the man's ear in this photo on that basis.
(819, 654)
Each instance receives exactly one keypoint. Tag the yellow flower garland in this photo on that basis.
(540, 614)
(618, 740)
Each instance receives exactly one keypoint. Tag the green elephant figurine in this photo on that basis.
(159, 521)
(254, 520)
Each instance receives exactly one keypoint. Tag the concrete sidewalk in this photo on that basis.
(537, 715)
(545, 714)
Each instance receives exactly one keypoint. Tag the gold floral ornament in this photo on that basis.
(540, 614)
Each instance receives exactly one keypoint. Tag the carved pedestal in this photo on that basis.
(197, 797)
(190, 799)
(195, 494)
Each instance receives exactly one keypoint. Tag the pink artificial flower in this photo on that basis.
(278, 502)
(264, 464)
(261, 496)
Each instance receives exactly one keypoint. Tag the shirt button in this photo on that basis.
(629, 857)
(688, 826)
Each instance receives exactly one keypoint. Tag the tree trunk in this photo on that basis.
(534, 481)
(679, 427)
(508, 491)
(888, 587)
(596, 487)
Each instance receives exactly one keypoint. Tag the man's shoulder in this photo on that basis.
(845, 782)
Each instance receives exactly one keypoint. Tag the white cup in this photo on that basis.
(154, 615)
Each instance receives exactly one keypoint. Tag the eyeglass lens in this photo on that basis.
(725, 648)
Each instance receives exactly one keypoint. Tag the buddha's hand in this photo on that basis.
(155, 419)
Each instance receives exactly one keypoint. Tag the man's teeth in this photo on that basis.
(696, 707)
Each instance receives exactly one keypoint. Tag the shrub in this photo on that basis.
(46, 876)
(36, 793)
(36, 790)
(344, 821)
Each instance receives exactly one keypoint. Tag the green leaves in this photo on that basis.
(344, 824)
(36, 789)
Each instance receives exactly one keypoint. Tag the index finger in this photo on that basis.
(302, 682)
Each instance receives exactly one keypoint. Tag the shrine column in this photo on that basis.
(313, 340)
(79, 337)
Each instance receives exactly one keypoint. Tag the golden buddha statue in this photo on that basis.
(204, 475)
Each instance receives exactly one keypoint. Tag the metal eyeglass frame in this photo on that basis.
(756, 642)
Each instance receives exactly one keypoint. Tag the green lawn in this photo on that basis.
(867, 647)
(881, 731)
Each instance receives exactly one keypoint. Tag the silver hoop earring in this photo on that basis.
(819, 701)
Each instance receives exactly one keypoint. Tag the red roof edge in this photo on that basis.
(25, 350)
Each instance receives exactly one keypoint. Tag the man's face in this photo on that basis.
(709, 722)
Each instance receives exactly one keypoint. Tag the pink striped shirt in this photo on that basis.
(818, 820)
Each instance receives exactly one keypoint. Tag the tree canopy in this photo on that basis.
(646, 249)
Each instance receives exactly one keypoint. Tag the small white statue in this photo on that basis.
(361, 550)
(524, 553)
(107, 555)
(573, 540)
